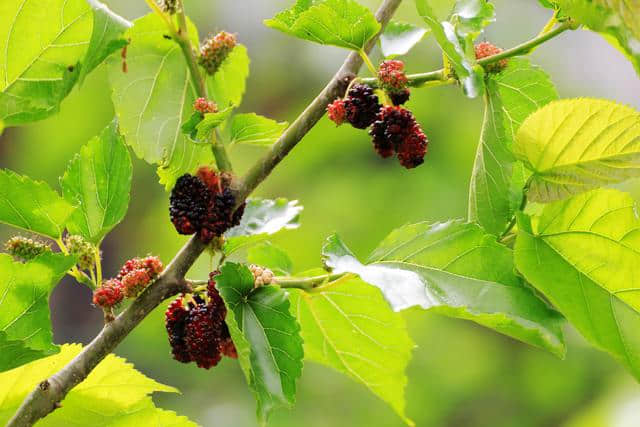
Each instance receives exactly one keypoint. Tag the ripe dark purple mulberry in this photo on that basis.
(413, 149)
(396, 131)
(399, 97)
(175, 323)
(361, 106)
(188, 204)
(203, 336)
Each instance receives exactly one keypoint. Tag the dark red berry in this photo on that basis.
(203, 337)
(391, 75)
(109, 294)
(399, 97)
(203, 106)
(228, 348)
(215, 50)
(486, 49)
(188, 204)
(361, 106)
(337, 111)
(175, 323)
(392, 125)
(413, 149)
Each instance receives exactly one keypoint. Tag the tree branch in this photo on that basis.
(314, 112)
(43, 400)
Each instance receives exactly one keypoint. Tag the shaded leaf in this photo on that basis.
(268, 337)
(347, 325)
(575, 145)
(268, 255)
(32, 205)
(342, 23)
(256, 130)
(399, 37)
(98, 182)
(226, 87)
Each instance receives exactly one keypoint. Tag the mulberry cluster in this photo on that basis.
(394, 81)
(215, 50)
(261, 276)
(25, 249)
(486, 49)
(396, 131)
(197, 330)
(203, 204)
(83, 250)
(135, 275)
(203, 106)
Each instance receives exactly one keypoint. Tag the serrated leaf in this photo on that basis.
(496, 186)
(32, 205)
(254, 129)
(575, 145)
(106, 37)
(38, 53)
(226, 87)
(210, 122)
(25, 327)
(347, 325)
(261, 218)
(456, 269)
(399, 37)
(342, 23)
(154, 98)
(269, 331)
(113, 394)
(266, 254)
(583, 254)
(98, 182)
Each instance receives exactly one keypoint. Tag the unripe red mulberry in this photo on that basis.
(215, 50)
(337, 111)
(486, 49)
(134, 282)
(203, 106)
(151, 264)
(25, 249)
(188, 204)
(399, 97)
(391, 75)
(109, 294)
(413, 149)
(361, 106)
(175, 323)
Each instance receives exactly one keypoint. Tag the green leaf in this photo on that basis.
(106, 37)
(114, 393)
(154, 98)
(226, 87)
(399, 37)
(25, 327)
(209, 123)
(261, 218)
(268, 255)
(496, 186)
(583, 254)
(456, 37)
(342, 23)
(347, 325)
(575, 145)
(270, 337)
(256, 130)
(455, 269)
(98, 182)
(32, 205)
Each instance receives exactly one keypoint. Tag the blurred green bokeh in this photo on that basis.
(461, 374)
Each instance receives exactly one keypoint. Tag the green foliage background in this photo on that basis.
(461, 374)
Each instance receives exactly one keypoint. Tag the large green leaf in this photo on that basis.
(25, 327)
(32, 205)
(342, 23)
(583, 253)
(253, 129)
(154, 98)
(347, 325)
(575, 145)
(399, 37)
(98, 182)
(266, 254)
(114, 394)
(455, 269)
(268, 337)
(226, 87)
(496, 184)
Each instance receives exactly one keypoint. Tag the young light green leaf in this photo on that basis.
(496, 187)
(25, 327)
(399, 37)
(256, 130)
(347, 325)
(583, 254)
(575, 145)
(270, 337)
(98, 182)
(40, 55)
(32, 205)
(154, 98)
(210, 122)
(342, 23)
(226, 87)
(106, 37)
(266, 254)
(114, 393)
(456, 269)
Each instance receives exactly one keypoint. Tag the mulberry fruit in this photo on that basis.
(203, 106)
(396, 131)
(202, 337)
(486, 49)
(261, 276)
(361, 106)
(413, 149)
(215, 50)
(399, 97)
(188, 204)
(137, 273)
(109, 294)
(25, 249)
(83, 250)
(391, 75)
(134, 282)
(175, 323)
(337, 111)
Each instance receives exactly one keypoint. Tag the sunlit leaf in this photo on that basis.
(399, 37)
(255, 130)
(226, 87)
(266, 254)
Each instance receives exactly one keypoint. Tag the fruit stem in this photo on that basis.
(550, 24)
(306, 283)
(367, 62)
(98, 260)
